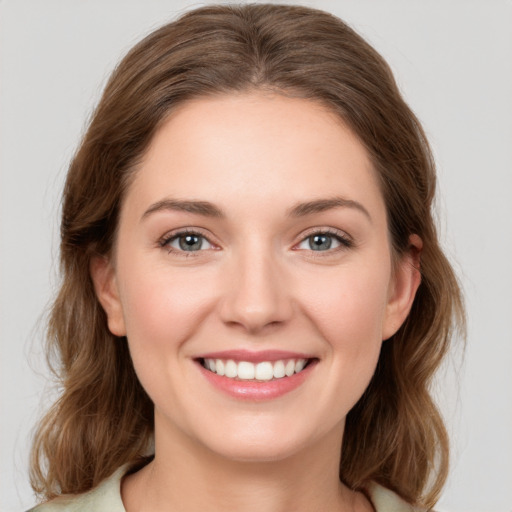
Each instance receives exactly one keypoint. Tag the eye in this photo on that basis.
(186, 242)
(324, 241)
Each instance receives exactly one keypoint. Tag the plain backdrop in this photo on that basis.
(453, 62)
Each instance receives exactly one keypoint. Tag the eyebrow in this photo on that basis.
(208, 209)
(204, 208)
(322, 205)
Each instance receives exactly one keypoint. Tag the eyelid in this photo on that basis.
(343, 237)
(164, 241)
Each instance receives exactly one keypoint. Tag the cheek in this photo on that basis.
(349, 308)
(163, 307)
(349, 313)
(163, 310)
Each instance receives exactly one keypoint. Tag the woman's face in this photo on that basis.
(253, 242)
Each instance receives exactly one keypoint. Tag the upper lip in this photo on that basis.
(255, 356)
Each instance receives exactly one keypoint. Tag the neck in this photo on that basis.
(186, 476)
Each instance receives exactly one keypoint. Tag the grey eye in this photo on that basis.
(323, 242)
(320, 242)
(190, 242)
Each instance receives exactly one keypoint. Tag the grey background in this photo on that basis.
(453, 61)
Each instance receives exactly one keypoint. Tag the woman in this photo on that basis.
(254, 300)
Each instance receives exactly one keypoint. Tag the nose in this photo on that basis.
(257, 296)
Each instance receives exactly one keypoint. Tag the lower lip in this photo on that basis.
(257, 390)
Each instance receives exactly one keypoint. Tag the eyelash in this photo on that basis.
(165, 241)
(344, 240)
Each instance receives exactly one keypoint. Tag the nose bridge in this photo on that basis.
(256, 295)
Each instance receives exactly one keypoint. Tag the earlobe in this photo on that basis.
(404, 285)
(105, 286)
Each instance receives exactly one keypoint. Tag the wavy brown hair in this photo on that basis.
(103, 418)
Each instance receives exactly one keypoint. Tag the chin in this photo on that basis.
(255, 452)
(259, 443)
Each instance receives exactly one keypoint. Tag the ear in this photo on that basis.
(105, 285)
(403, 286)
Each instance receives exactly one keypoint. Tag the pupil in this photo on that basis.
(190, 243)
(320, 242)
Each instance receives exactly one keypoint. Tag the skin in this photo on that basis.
(256, 284)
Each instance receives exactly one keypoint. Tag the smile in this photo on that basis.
(262, 371)
(256, 376)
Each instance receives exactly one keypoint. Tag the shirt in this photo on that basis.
(106, 497)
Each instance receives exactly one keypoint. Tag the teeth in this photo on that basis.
(230, 370)
(219, 367)
(246, 370)
(279, 370)
(289, 368)
(299, 365)
(264, 371)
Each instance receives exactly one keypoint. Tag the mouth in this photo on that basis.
(263, 371)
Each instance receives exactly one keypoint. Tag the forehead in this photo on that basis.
(257, 148)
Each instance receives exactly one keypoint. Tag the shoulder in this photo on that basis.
(385, 500)
(107, 496)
